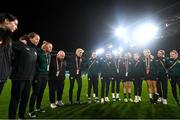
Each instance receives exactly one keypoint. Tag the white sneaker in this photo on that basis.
(97, 100)
(107, 99)
(53, 105)
(102, 100)
(113, 95)
(59, 103)
(130, 99)
(164, 101)
(125, 100)
(117, 97)
(94, 95)
(89, 100)
(32, 115)
(136, 100)
(139, 98)
(159, 99)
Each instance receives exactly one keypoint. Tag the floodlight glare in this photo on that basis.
(120, 32)
(120, 49)
(110, 46)
(114, 52)
(99, 51)
(145, 33)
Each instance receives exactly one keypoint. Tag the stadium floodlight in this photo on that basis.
(120, 32)
(132, 45)
(145, 33)
(120, 49)
(110, 46)
(100, 51)
(114, 52)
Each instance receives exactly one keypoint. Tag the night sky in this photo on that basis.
(85, 23)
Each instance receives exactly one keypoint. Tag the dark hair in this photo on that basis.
(24, 37)
(32, 35)
(9, 16)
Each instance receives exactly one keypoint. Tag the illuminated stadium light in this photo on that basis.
(120, 49)
(126, 40)
(110, 46)
(132, 45)
(114, 52)
(100, 51)
(120, 32)
(145, 33)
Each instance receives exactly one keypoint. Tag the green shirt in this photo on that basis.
(43, 62)
(174, 67)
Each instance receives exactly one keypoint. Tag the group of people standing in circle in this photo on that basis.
(30, 67)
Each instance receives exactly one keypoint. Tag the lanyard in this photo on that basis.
(48, 58)
(117, 61)
(126, 66)
(78, 64)
(137, 63)
(147, 63)
(58, 68)
(174, 64)
(91, 64)
(162, 63)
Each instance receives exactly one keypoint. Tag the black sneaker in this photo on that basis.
(32, 115)
(155, 98)
(151, 100)
(40, 110)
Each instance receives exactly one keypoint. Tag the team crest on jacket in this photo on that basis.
(35, 53)
(27, 49)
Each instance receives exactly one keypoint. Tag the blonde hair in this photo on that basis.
(79, 50)
(45, 43)
(174, 51)
(162, 51)
(147, 50)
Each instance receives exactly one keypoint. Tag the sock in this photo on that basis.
(129, 95)
(124, 95)
(150, 95)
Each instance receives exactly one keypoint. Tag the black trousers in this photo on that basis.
(79, 82)
(1, 86)
(162, 84)
(116, 81)
(93, 82)
(56, 84)
(137, 86)
(20, 92)
(38, 87)
(105, 82)
(175, 80)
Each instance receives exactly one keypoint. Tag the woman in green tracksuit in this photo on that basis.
(41, 78)
(174, 73)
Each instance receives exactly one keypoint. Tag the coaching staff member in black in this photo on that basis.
(8, 24)
(75, 66)
(24, 65)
